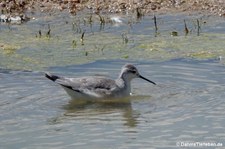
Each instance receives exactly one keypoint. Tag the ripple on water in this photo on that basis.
(186, 105)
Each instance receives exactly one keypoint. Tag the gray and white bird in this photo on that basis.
(95, 87)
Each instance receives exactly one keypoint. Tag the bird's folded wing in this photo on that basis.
(92, 86)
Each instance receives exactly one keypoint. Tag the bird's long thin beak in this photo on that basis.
(146, 79)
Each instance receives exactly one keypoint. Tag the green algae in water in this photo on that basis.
(202, 55)
(8, 49)
(34, 52)
(201, 47)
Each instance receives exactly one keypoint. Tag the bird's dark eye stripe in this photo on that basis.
(132, 71)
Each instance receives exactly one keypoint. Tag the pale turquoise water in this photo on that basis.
(186, 105)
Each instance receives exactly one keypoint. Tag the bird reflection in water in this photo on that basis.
(110, 111)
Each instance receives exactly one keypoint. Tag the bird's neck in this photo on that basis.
(125, 83)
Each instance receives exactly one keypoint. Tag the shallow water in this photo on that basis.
(28, 47)
(187, 105)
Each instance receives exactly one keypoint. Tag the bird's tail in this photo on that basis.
(51, 77)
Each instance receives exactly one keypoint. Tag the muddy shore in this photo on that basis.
(20, 7)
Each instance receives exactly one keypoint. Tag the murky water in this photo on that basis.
(187, 105)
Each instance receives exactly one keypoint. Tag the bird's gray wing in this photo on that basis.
(93, 86)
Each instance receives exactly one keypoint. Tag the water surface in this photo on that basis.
(29, 46)
(186, 105)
